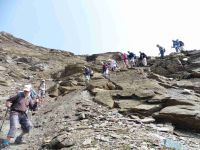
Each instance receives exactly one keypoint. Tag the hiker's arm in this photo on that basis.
(10, 101)
(33, 104)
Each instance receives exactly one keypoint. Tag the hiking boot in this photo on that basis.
(20, 140)
(5, 143)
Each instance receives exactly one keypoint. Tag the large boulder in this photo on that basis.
(181, 115)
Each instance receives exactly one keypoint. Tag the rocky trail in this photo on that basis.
(76, 122)
(140, 108)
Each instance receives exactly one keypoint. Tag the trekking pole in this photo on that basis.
(4, 119)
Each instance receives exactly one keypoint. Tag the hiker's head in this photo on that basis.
(158, 45)
(27, 90)
(128, 51)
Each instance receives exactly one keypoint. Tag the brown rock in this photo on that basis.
(146, 109)
(181, 115)
(104, 98)
(127, 104)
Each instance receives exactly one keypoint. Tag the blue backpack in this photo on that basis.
(181, 43)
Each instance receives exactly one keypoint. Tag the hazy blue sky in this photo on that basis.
(95, 26)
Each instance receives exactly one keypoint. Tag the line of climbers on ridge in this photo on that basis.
(129, 60)
(19, 106)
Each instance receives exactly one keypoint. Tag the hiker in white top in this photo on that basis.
(42, 89)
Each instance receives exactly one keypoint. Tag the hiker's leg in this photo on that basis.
(25, 123)
(14, 120)
(176, 49)
(43, 93)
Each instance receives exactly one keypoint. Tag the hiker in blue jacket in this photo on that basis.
(132, 58)
(87, 73)
(176, 45)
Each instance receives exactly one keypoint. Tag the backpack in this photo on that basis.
(91, 72)
(181, 43)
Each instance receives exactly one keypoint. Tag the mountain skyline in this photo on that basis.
(89, 27)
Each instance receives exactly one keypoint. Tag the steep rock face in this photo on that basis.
(183, 65)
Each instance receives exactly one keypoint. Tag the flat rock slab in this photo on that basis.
(2, 68)
(182, 115)
(127, 104)
(146, 109)
(104, 98)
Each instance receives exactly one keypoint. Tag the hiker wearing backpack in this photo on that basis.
(87, 73)
(42, 90)
(132, 58)
(162, 51)
(125, 59)
(112, 64)
(181, 44)
(176, 45)
(19, 106)
(143, 58)
(105, 69)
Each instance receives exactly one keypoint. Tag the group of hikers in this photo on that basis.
(177, 45)
(129, 60)
(18, 106)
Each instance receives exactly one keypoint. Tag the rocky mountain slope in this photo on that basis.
(137, 108)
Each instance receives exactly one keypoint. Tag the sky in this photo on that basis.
(97, 26)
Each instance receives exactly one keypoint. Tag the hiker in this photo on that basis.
(87, 73)
(162, 51)
(132, 58)
(105, 69)
(125, 59)
(42, 90)
(112, 64)
(143, 58)
(19, 106)
(176, 45)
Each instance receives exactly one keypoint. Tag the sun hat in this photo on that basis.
(27, 88)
